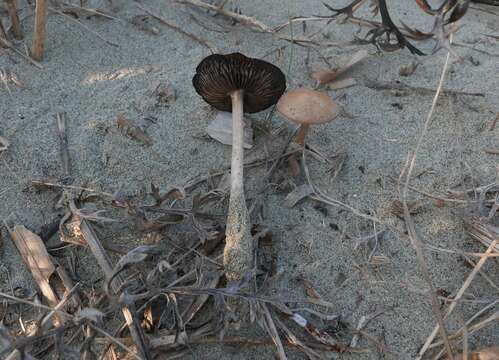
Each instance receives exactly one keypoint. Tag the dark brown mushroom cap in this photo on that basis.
(218, 75)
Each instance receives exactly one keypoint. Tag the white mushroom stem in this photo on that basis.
(238, 252)
(237, 168)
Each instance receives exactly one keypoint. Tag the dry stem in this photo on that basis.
(39, 33)
(416, 242)
(14, 19)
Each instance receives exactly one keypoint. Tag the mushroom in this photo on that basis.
(306, 107)
(239, 84)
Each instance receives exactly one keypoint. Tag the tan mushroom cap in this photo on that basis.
(306, 106)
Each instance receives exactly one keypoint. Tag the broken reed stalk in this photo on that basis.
(39, 31)
(415, 241)
(238, 251)
(105, 264)
(14, 19)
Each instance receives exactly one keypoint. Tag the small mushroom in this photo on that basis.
(306, 107)
(238, 84)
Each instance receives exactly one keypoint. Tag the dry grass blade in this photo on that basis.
(483, 232)
(292, 339)
(415, 241)
(7, 44)
(63, 142)
(272, 331)
(459, 294)
(70, 18)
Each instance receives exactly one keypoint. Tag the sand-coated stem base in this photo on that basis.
(238, 252)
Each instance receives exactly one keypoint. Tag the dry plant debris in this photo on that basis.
(220, 129)
(171, 301)
(132, 130)
(4, 144)
(325, 76)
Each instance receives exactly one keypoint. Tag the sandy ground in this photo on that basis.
(93, 82)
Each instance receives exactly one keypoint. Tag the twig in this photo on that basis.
(63, 142)
(416, 242)
(376, 85)
(204, 43)
(51, 184)
(39, 32)
(70, 18)
(14, 19)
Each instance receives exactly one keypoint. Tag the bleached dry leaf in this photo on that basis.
(301, 192)
(38, 261)
(342, 83)
(91, 314)
(163, 92)
(491, 353)
(325, 76)
(143, 22)
(8, 77)
(220, 129)
(132, 130)
(4, 144)
(408, 69)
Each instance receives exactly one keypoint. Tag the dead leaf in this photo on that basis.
(299, 193)
(177, 193)
(91, 314)
(309, 289)
(4, 144)
(342, 83)
(134, 256)
(492, 151)
(220, 129)
(163, 92)
(208, 280)
(325, 76)
(132, 130)
(491, 353)
(143, 22)
(408, 69)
